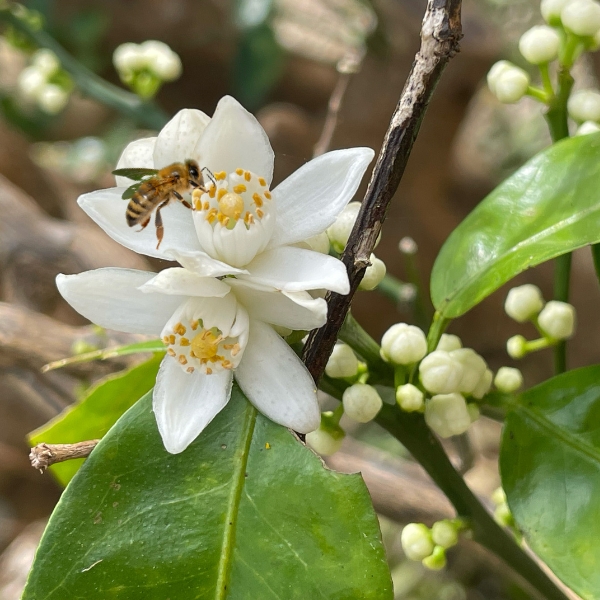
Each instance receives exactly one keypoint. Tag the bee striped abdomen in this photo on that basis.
(142, 203)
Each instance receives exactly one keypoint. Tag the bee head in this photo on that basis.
(193, 170)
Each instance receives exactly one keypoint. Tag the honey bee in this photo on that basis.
(154, 189)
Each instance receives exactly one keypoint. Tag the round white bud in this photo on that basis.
(508, 379)
(539, 45)
(340, 231)
(342, 362)
(473, 368)
(319, 243)
(128, 57)
(440, 373)
(437, 560)
(483, 385)
(516, 346)
(416, 541)
(52, 99)
(557, 320)
(508, 82)
(373, 275)
(474, 412)
(46, 61)
(499, 496)
(584, 105)
(551, 10)
(361, 402)
(444, 533)
(587, 128)
(403, 344)
(409, 397)
(447, 415)
(524, 302)
(160, 59)
(449, 342)
(323, 442)
(497, 69)
(582, 17)
(30, 82)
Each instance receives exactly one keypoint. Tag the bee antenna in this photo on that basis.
(210, 175)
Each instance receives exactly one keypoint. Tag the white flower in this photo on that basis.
(416, 541)
(323, 442)
(483, 385)
(551, 10)
(447, 415)
(361, 402)
(507, 82)
(52, 99)
(409, 397)
(403, 344)
(473, 369)
(440, 373)
(516, 346)
(373, 275)
(340, 230)
(342, 362)
(557, 320)
(449, 342)
(508, 379)
(539, 44)
(217, 311)
(582, 17)
(524, 302)
(584, 105)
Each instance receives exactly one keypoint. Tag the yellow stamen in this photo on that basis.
(235, 350)
(267, 195)
(171, 339)
(197, 204)
(262, 181)
(220, 175)
(257, 199)
(194, 325)
(182, 359)
(184, 342)
(212, 191)
(179, 328)
(221, 193)
(206, 206)
(239, 171)
(171, 352)
(240, 188)
(247, 175)
(190, 369)
(259, 213)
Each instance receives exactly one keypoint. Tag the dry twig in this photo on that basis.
(44, 455)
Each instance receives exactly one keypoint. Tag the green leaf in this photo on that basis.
(550, 465)
(96, 413)
(549, 207)
(136, 173)
(245, 513)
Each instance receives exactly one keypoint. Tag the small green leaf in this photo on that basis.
(96, 413)
(549, 207)
(136, 173)
(550, 465)
(245, 513)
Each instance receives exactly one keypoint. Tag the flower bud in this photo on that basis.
(539, 45)
(440, 373)
(498, 496)
(340, 231)
(361, 402)
(551, 10)
(449, 342)
(437, 560)
(46, 62)
(30, 82)
(403, 344)
(473, 368)
(416, 541)
(483, 385)
(523, 302)
(474, 412)
(319, 243)
(503, 516)
(516, 346)
(508, 379)
(342, 362)
(447, 415)
(582, 17)
(508, 82)
(323, 442)
(587, 128)
(128, 57)
(52, 99)
(373, 275)
(584, 105)
(409, 397)
(444, 533)
(557, 320)
(160, 59)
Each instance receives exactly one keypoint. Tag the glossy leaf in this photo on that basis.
(245, 512)
(550, 465)
(549, 207)
(96, 412)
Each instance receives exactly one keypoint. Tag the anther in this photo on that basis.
(239, 171)
(259, 213)
(220, 175)
(221, 193)
(267, 195)
(257, 199)
(262, 181)
(240, 188)
(208, 371)
(182, 359)
(171, 352)
(190, 369)
(184, 342)
(171, 339)
(247, 175)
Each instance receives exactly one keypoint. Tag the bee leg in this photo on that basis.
(180, 198)
(158, 222)
(143, 224)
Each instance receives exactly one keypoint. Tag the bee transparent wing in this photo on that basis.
(136, 174)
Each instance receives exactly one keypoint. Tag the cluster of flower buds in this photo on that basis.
(554, 320)
(45, 83)
(584, 108)
(429, 546)
(338, 235)
(145, 67)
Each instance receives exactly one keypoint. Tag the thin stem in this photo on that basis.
(546, 81)
(333, 109)
(422, 308)
(145, 114)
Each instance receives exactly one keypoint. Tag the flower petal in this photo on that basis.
(234, 139)
(185, 403)
(182, 282)
(178, 138)
(276, 382)
(110, 298)
(295, 269)
(136, 154)
(295, 310)
(107, 209)
(310, 199)
(200, 263)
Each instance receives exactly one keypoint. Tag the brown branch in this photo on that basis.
(44, 455)
(440, 35)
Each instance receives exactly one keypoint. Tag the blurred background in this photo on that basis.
(290, 62)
